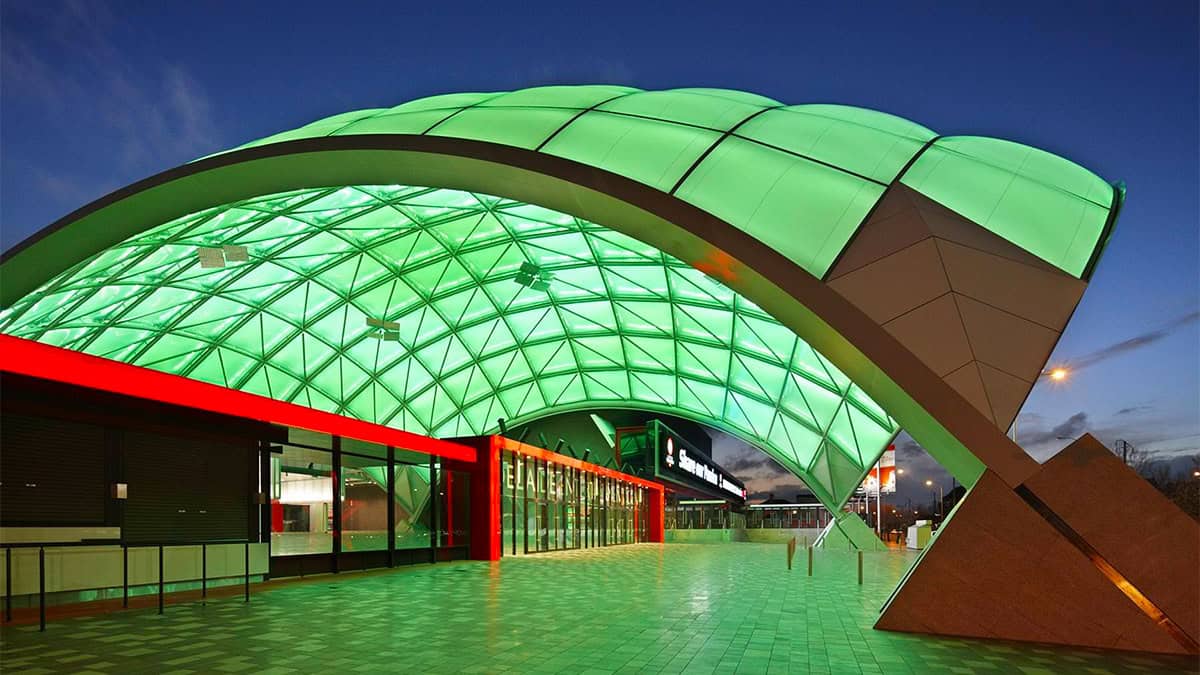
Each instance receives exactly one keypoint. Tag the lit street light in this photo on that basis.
(938, 508)
(1056, 374)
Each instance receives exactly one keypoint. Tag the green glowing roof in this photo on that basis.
(458, 337)
(800, 178)
(596, 319)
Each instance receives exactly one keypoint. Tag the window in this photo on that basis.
(364, 495)
(301, 501)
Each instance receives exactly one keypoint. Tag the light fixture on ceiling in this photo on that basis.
(533, 276)
(388, 331)
(216, 257)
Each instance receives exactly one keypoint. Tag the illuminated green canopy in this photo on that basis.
(800, 178)
(410, 306)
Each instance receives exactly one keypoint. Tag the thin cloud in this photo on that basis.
(786, 491)
(157, 113)
(1071, 428)
(1133, 410)
(755, 462)
(1133, 343)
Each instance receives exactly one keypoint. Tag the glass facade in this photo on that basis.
(302, 495)
(702, 515)
(413, 508)
(364, 495)
(788, 516)
(301, 501)
(546, 506)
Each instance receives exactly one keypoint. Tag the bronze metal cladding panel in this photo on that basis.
(1005, 393)
(1006, 341)
(897, 283)
(1142, 534)
(969, 382)
(955, 293)
(1034, 293)
(999, 570)
(895, 224)
(934, 332)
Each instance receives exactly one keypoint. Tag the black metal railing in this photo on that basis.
(125, 546)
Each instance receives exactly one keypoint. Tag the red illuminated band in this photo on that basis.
(557, 458)
(47, 362)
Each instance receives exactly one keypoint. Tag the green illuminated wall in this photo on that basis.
(618, 324)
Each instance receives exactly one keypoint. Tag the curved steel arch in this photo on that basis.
(679, 224)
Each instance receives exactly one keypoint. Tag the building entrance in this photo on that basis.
(549, 505)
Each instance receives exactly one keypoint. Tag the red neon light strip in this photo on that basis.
(557, 458)
(47, 362)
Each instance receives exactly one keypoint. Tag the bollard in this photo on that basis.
(791, 551)
(810, 561)
(203, 574)
(160, 579)
(124, 576)
(8, 584)
(247, 572)
(42, 589)
(860, 568)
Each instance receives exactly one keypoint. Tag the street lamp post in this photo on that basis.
(941, 496)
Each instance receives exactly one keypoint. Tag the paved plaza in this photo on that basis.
(676, 608)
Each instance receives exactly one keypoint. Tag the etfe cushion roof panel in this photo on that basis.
(798, 177)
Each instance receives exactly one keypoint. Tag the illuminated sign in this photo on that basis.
(886, 468)
(677, 459)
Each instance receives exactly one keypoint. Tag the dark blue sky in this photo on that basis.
(95, 96)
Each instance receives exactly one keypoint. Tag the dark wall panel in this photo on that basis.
(184, 489)
(51, 472)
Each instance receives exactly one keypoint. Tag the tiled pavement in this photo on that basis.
(643, 608)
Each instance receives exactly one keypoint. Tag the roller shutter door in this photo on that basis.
(51, 472)
(183, 489)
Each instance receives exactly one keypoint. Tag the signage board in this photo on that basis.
(681, 462)
(885, 470)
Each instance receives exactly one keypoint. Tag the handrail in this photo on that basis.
(41, 546)
(60, 544)
(121, 542)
